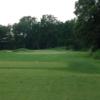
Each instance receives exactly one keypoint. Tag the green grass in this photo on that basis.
(49, 75)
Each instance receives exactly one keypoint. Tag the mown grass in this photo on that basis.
(49, 75)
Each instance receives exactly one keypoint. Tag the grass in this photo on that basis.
(49, 75)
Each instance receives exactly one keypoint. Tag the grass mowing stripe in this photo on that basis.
(31, 65)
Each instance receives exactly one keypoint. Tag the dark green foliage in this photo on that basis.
(23, 31)
(96, 54)
(31, 34)
(6, 37)
(82, 33)
(88, 23)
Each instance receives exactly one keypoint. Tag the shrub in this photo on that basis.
(96, 54)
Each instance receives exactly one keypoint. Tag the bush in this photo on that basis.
(96, 54)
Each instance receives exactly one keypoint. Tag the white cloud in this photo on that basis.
(12, 10)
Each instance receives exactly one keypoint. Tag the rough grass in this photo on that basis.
(49, 75)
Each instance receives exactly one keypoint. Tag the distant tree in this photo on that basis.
(69, 36)
(5, 37)
(31, 34)
(48, 31)
(23, 32)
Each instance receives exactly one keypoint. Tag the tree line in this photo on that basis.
(32, 34)
(83, 32)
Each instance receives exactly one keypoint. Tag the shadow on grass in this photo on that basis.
(84, 67)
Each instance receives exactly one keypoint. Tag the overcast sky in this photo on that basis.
(12, 10)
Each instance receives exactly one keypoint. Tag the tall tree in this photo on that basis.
(23, 31)
(48, 31)
(88, 22)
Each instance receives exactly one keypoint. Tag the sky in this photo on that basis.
(12, 10)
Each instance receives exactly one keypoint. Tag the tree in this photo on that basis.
(69, 34)
(48, 31)
(5, 37)
(23, 32)
(88, 22)
(31, 34)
